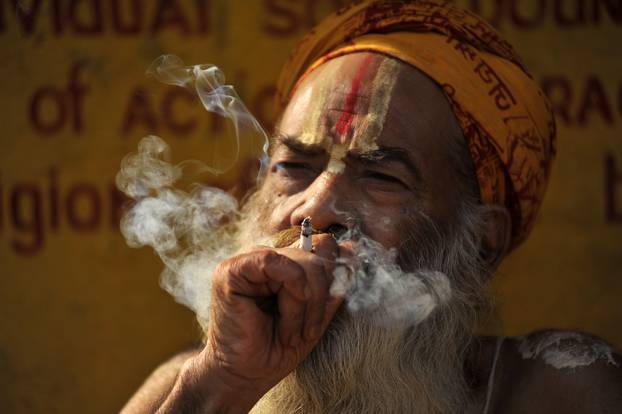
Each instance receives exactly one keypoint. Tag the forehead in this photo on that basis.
(365, 100)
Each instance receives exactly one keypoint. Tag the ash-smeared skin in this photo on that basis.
(382, 87)
(414, 118)
(343, 127)
(561, 349)
(357, 108)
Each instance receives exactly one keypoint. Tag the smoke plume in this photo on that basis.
(373, 282)
(190, 231)
(193, 231)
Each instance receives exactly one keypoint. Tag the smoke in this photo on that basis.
(373, 282)
(192, 231)
(207, 82)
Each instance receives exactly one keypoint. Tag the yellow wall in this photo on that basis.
(83, 319)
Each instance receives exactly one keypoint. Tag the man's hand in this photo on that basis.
(269, 309)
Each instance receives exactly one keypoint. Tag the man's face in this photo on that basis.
(363, 143)
(368, 143)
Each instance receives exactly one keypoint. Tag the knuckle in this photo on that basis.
(324, 238)
(267, 257)
(269, 254)
(225, 279)
(326, 241)
(221, 272)
(227, 285)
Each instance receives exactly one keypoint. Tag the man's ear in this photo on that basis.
(496, 237)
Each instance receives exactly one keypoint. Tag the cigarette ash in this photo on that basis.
(373, 282)
(561, 349)
(306, 232)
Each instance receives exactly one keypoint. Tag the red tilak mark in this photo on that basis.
(345, 121)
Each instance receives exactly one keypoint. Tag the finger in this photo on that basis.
(263, 272)
(318, 285)
(280, 268)
(291, 319)
(325, 246)
(337, 294)
(318, 268)
(327, 249)
(332, 306)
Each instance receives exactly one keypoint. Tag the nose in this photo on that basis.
(323, 201)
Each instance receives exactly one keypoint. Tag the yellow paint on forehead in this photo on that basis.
(335, 163)
(366, 134)
(319, 95)
(314, 129)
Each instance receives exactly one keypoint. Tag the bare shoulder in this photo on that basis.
(559, 371)
(158, 384)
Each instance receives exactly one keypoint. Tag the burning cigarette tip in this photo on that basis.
(305, 235)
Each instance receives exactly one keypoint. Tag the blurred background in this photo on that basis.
(83, 320)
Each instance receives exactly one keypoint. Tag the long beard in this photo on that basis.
(361, 366)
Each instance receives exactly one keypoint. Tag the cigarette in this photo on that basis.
(305, 235)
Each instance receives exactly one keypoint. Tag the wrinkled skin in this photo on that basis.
(298, 185)
(368, 191)
(248, 350)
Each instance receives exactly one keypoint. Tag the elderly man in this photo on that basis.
(413, 129)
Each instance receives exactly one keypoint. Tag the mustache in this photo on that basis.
(289, 236)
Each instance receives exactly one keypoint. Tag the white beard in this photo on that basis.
(361, 366)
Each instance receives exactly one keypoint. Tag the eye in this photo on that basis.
(284, 166)
(384, 178)
(293, 170)
(290, 165)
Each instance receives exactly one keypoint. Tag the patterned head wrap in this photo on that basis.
(506, 120)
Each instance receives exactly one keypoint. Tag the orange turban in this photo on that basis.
(505, 118)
